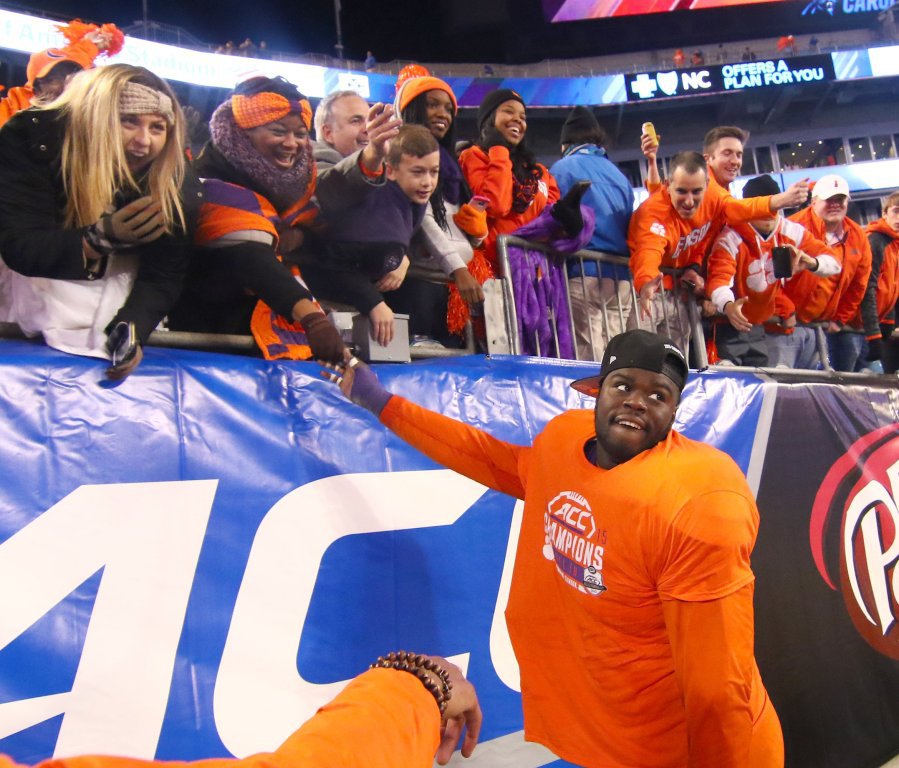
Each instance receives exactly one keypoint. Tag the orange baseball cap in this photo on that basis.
(40, 63)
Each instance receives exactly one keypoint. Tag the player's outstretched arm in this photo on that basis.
(460, 447)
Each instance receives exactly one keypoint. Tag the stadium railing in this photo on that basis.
(698, 350)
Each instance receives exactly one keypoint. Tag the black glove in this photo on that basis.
(567, 210)
(875, 349)
(324, 339)
(886, 330)
(124, 350)
(492, 138)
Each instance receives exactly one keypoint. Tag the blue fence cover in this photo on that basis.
(195, 560)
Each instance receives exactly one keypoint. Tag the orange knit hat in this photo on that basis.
(415, 86)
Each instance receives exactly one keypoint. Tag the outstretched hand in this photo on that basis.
(567, 210)
(324, 339)
(734, 312)
(124, 350)
(649, 146)
(358, 383)
(647, 295)
(462, 710)
(381, 126)
(792, 197)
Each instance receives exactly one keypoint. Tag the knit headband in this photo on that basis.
(266, 107)
(137, 99)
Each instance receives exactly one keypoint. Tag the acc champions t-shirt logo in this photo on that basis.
(574, 542)
(857, 505)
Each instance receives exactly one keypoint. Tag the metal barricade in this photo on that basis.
(238, 344)
(421, 353)
(668, 303)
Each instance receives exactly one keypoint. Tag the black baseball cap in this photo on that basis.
(638, 349)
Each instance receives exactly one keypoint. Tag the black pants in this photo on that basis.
(748, 349)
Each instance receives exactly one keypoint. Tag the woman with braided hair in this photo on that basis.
(97, 208)
(452, 228)
(259, 181)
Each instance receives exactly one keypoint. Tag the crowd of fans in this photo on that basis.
(246, 48)
(106, 229)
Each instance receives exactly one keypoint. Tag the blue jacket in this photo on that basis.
(611, 198)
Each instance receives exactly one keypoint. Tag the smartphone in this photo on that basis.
(650, 130)
(783, 261)
(480, 202)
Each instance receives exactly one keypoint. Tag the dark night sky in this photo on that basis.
(392, 29)
(450, 30)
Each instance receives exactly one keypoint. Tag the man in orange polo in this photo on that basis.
(630, 610)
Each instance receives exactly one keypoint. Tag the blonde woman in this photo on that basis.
(97, 208)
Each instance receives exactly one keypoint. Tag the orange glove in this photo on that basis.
(472, 221)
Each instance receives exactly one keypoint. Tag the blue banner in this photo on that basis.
(195, 560)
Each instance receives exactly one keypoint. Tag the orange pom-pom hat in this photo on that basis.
(409, 86)
(84, 43)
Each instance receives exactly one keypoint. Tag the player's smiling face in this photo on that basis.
(634, 411)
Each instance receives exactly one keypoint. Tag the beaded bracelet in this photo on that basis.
(420, 666)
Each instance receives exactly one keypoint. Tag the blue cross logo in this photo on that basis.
(644, 86)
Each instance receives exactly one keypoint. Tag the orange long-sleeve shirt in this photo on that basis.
(659, 237)
(887, 290)
(382, 719)
(630, 612)
(16, 100)
(838, 297)
(489, 174)
(741, 266)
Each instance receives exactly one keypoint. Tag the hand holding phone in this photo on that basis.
(782, 257)
(480, 202)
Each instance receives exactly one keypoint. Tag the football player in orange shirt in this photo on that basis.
(630, 609)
